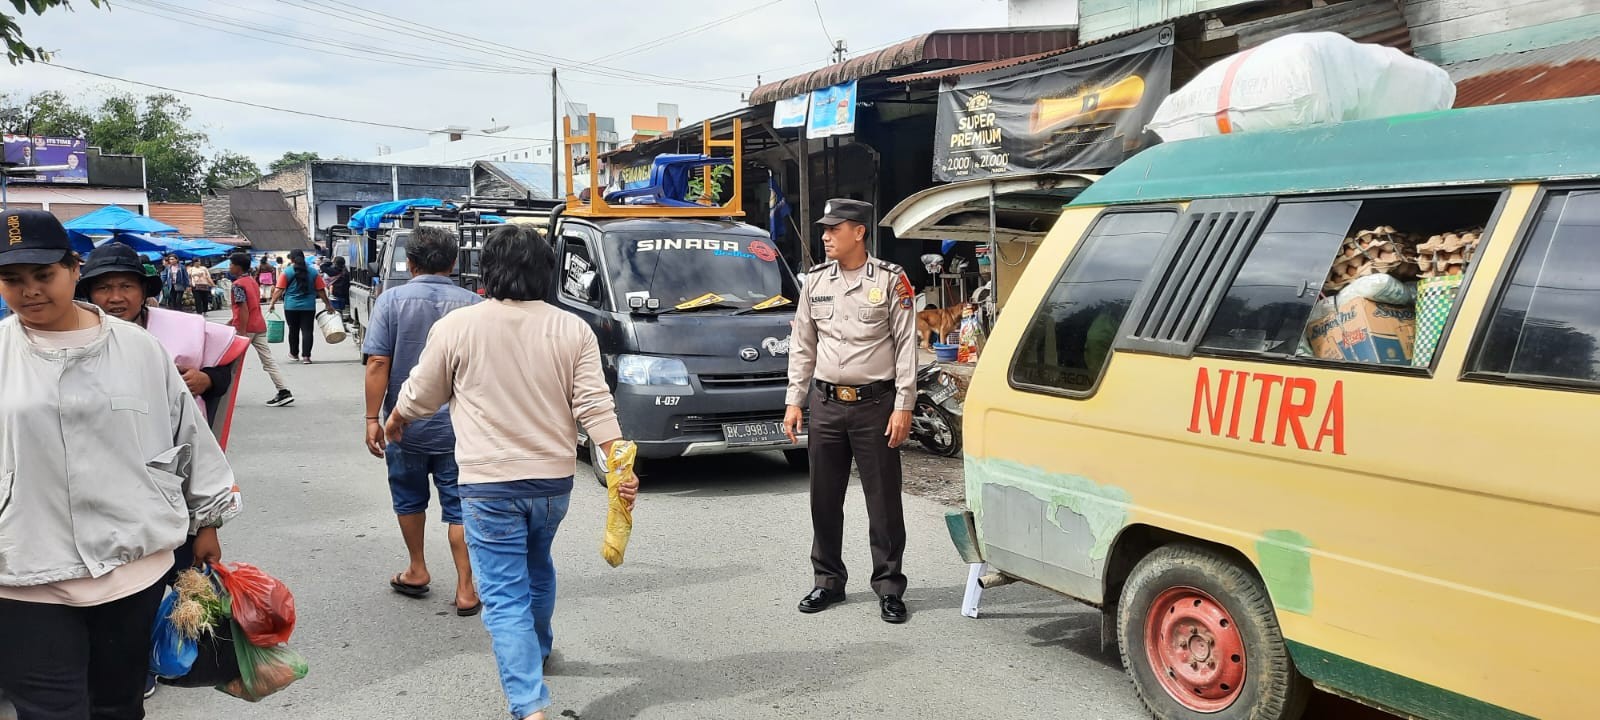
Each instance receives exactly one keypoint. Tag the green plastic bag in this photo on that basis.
(263, 670)
(275, 328)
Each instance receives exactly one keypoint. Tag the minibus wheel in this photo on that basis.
(798, 458)
(1200, 639)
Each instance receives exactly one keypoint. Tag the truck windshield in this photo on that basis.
(741, 269)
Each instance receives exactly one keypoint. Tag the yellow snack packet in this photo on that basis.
(619, 519)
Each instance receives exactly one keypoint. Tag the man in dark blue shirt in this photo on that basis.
(401, 321)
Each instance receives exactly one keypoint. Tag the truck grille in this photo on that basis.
(745, 380)
(713, 422)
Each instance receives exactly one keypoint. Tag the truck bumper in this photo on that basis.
(667, 425)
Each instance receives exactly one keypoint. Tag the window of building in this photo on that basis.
(1371, 281)
(1067, 344)
(1545, 325)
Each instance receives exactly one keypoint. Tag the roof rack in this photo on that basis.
(596, 205)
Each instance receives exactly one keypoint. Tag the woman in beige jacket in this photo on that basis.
(520, 377)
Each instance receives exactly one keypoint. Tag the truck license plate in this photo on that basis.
(754, 433)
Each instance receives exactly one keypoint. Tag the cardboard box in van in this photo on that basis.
(1367, 331)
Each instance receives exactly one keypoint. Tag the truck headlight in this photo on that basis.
(647, 370)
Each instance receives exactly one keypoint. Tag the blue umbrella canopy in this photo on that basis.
(183, 249)
(115, 219)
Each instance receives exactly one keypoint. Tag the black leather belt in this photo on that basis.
(856, 393)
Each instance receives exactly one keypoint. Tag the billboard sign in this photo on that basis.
(1082, 110)
(39, 150)
(833, 111)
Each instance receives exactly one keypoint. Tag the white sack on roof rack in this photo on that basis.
(1302, 79)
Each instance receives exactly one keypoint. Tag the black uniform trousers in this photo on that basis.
(840, 432)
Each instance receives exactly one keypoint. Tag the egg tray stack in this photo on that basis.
(1381, 250)
(1447, 254)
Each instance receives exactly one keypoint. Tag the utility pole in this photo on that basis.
(555, 138)
(839, 49)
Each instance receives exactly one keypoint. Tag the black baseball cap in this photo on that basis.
(32, 237)
(839, 210)
(115, 257)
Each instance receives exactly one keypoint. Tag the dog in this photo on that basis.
(936, 324)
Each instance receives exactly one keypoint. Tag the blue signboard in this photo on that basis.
(833, 111)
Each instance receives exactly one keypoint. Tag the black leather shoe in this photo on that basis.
(819, 599)
(894, 611)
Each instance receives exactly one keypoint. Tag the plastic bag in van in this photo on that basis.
(1380, 288)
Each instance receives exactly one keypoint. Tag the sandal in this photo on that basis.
(470, 611)
(407, 589)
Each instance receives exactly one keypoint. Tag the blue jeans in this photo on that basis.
(509, 541)
(409, 474)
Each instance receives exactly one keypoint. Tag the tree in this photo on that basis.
(16, 50)
(229, 170)
(292, 160)
(154, 126)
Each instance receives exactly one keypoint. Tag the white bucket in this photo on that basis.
(332, 327)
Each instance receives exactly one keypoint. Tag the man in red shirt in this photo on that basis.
(250, 323)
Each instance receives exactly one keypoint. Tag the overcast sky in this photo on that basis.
(477, 64)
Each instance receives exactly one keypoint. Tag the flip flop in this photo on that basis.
(470, 611)
(407, 589)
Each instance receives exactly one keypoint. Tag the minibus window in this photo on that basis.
(1545, 327)
(1369, 281)
(1066, 345)
(1267, 306)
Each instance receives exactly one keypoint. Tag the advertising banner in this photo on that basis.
(22, 150)
(833, 111)
(1078, 111)
(791, 112)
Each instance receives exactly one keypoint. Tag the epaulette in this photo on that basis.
(891, 267)
(824, 266)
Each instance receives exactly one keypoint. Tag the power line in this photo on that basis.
(316, 43)
(681, 34)
(823, 23)
(303, 113)
(436, 34)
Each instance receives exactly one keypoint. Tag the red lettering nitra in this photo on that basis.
(1241, 379)
(1267, 381)
(1203, 396)
(1291, 411)
(1333, 421)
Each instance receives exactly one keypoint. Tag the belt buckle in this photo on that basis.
(846, 394)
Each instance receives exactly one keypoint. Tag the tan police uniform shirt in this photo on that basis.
(855, 332)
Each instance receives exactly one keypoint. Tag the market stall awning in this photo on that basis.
(115, 218)
(1026, 207)
(182, 248)
(961, 46)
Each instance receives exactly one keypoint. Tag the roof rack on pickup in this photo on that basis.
(597, 206)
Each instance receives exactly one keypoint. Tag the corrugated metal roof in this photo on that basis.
(1473, 146)
(1570, 70)
(265, 218)
(188, 218)
(946, 45)
(1004, 63)
(1369, 21)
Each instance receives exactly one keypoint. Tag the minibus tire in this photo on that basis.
(1229, 615)
(798, 458)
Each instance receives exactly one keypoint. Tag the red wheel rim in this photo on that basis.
(1195, 649)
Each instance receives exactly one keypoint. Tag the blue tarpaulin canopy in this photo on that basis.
(183, 249)
(371, 216)
(114, 219)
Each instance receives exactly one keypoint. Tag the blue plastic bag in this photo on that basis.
(171, 654)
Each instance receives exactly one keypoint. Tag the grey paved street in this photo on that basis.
(698, 623)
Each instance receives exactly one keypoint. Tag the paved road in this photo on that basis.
(698, 623)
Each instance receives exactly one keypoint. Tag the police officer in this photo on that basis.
(855, 341)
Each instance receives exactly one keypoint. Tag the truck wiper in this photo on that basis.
(772, 303)
(693, 308)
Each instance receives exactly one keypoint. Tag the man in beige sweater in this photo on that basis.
(520, 376)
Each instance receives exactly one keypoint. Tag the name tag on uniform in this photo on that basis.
(821, 298)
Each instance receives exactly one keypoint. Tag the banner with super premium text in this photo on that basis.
(1083, 110)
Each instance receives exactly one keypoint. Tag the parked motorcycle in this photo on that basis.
(936, 421)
